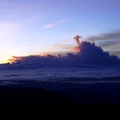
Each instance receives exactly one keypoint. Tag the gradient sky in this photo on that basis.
(30, 27)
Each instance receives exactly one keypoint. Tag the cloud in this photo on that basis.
(108, 41)
(90, 53)
(54, 24)
(59, 47)
(86, 54)
(107, 36)
(118, 54)
(77, 39)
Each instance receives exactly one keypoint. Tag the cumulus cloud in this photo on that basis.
(54, 24)
(90, 53)
(86, 53)
(108, 41)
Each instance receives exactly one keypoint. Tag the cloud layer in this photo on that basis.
(86, 54)
(107, 36)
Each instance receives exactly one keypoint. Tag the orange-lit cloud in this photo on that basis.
(76, 49)
(118, 54)
(14, 59)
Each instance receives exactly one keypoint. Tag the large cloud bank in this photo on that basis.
(85, 53)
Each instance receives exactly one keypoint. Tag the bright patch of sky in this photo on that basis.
(29, 26)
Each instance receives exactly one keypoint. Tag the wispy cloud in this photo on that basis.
(107, 36)
(60, 46)
(54, 24)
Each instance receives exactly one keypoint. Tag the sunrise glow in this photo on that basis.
(5, 59)
(28, 27)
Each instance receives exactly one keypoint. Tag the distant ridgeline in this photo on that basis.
(87, 54)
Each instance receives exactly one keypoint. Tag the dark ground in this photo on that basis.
(87, 101)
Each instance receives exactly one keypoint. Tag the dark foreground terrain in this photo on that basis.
(38, 102)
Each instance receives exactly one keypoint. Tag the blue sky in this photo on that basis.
(36, 26)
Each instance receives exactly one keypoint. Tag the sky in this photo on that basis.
(33, 27)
